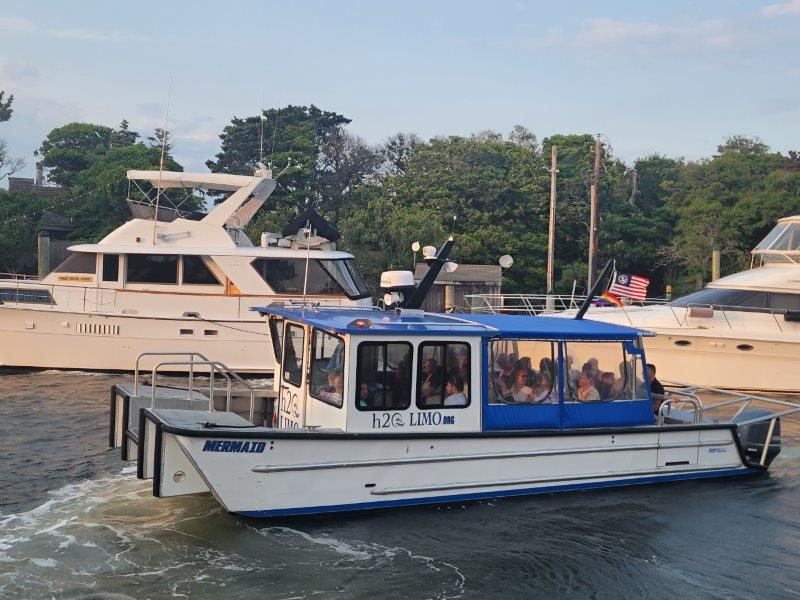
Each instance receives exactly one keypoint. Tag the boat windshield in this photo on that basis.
(325, 277)
(723, 297)
(781, 245)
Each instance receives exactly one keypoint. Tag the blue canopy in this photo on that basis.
(364, 321)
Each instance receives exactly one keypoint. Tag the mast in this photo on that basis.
(593, 212)
(551, 232)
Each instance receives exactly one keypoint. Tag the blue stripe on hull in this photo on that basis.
(312, 510)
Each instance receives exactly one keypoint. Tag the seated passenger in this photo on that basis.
(521, 391)
(605, 385)
(364, 396)
(656, 389)
(431, 382)
(454, 391)
(543, 390)
(586, 392)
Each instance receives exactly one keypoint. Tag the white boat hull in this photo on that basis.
(72, 340)
(278, 473)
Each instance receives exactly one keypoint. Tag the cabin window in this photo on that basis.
(276, 336)
(602, 371)
(383, 376)
(78, 262)
(524, 372)
(724, 297)
(327, 367)
(110, 267)
(152, 268)
(784, 301)
(288, 276)
(443, 378)
(196, 272)
(293, 354)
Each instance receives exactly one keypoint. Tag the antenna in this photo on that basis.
(261, 141)
(161, 162)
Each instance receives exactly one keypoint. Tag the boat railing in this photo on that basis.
(532, 304)
(731, 399)
(682, 398)
(195, 359)
(18, 276)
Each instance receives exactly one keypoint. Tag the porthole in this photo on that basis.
(683, 343)
(744, 347)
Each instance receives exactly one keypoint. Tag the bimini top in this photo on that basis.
(379, 322)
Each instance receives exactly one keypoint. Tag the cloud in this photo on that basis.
(784, 8)
(14, 70)
(13, 26)
(605, 32)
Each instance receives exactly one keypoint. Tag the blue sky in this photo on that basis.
(673, 77)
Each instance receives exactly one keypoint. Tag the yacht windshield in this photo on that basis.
(325, 277)
(723, 297)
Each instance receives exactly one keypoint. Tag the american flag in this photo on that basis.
(630, 286)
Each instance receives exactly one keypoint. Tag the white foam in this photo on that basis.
(47, 563)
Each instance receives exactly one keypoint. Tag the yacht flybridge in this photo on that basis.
(384, 409)
(165, 282)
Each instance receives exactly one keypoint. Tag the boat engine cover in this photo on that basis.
(753, 436)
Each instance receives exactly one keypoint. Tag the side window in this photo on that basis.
(383, 376)
(327, 367)
(196, 271)
(602, 371)
(110, 267)
(524, 372)
(276, 336)
(784, 301)
(293, 354)
(152, 268)
(78, 262)
(443, 379)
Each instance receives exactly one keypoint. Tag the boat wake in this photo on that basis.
(110, 535)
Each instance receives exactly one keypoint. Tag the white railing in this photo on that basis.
(19, 276)
(531, 304)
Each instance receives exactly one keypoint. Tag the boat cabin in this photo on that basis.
(400, 372)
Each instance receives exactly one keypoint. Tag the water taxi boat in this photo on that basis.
(740, 332)
(393, 408)
(165, 280)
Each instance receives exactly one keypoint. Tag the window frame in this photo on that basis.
(314, 330)
(146, 255)
(205, 264)
(418, 390)
(357, 386)
(301, 371)
(318, 262)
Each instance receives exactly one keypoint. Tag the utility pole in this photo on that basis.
(593, 213)
(551, 232)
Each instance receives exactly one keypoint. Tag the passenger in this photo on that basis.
(464, 370)
(454, 391)
(605, 385)
(432, 381)
(592, 369)
(655, 384)
(586, 391)
(656, 389)
(338, 385)
(572, 373)
(543, 390)
(364, 396)
(521, 391)
(622, 387)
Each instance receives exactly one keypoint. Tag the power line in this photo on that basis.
(40, 211)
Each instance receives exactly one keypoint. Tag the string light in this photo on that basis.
(40, 211)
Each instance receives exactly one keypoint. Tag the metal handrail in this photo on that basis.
(214, 366)
(684, 399)
(191, 355)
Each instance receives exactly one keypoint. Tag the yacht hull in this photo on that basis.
(273, 473)
(72, 340)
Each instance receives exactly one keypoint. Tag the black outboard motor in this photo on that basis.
(753, 436)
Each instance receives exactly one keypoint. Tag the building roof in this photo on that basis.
(50, 221)
(464, 274)
(26, 184)
(379, 322)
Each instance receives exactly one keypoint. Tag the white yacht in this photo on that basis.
(180, 284)
(739, 332)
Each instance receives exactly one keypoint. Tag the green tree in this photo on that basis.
(123, 136)
(70, 149)
(292, 141)
(8, 164)
(5, 107)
